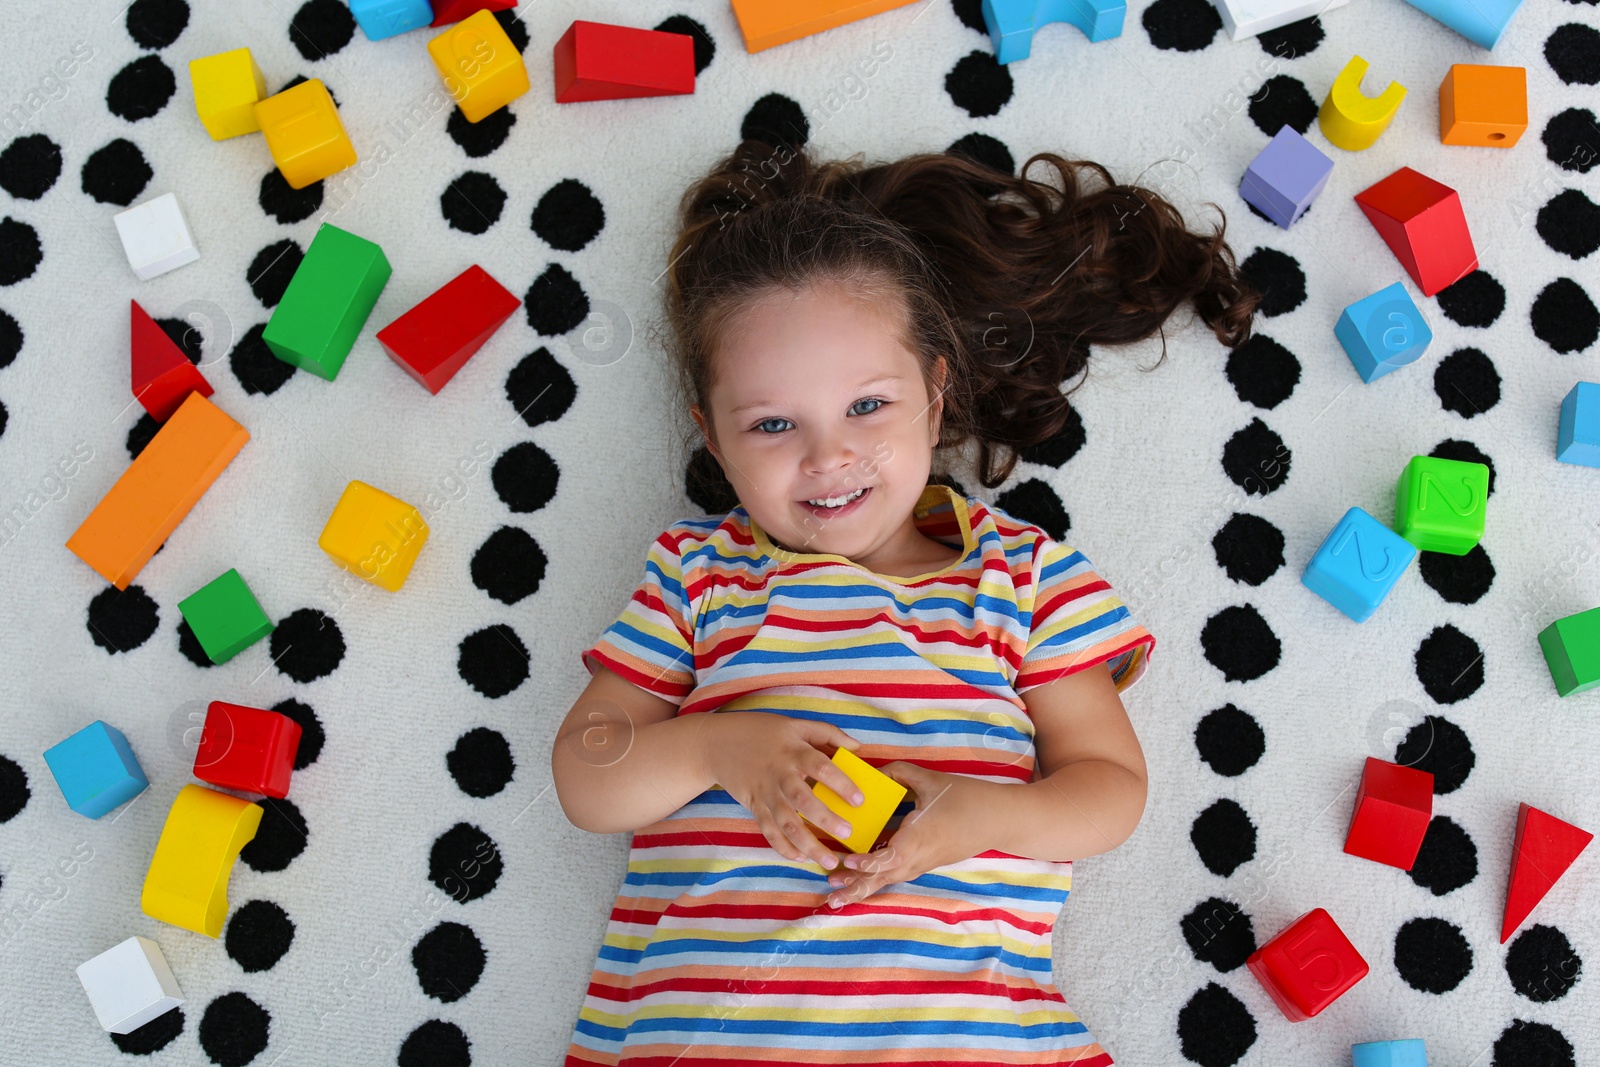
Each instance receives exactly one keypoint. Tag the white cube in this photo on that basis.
(155, 237)
(129, 985)
(1246, 18)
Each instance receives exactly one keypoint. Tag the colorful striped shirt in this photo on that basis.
(718, 950)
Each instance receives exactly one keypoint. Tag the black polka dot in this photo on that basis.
(555, 302)
(321, 28)
(5, 419)
(1542, 964)
(568, 216)
(481, 762)
(539, 388)
(1181, 25)
(141, 433)
(1432, 955)
(1219, 933)
(1570, 224)
(1224, 837)
(525, 477)
(141, 89)
(10, 339)
(1459, 579)
(1466, 382)
(1449, 664)
(282, 836)
(307, 645)
(234, 1030)
(478, 139)
(465, 863)
(1527, 1044)
(1441, 748)
(1066, 443)
(1229, 740)
(1256, 459)
(979, 84)
(189, 645)
(970, 14)
(117, 173)
(989, 151)
(705, 485)
(1263, 372)
(259, 933)
(270, 272)
(20, 251)
(286, 204)
(120, 620)
(511, 22)
(1564, 317)
(1573, 52)
(1475, 300)
(493, 660)
(776, 120)
(14, 792)
(449, 960)
(1447, 860)
(1294, 40)
(1278, 278)
(1569, 140)
(1283, 101)
(1036, 502)
(1248, 548)
(705, 49)
(153, 1036)
(29, 166)
(472, 202)
(298, 78)
(1464, 452)
(189, 340)
(1215, 1029)
(254, 365)
(312, 736)
(156, 23)
(1239, 643)
(510, 565)
(436, 1044)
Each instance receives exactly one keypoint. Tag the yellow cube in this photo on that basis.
(880, 796)
(187, 884)
(304, 134)
(480, 66)
(226, 89)
(374, 535)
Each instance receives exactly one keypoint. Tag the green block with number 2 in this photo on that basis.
(1440, 503)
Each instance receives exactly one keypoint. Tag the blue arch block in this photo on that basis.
(1012, 23)
(1357, 564)
(1383, 332)
(96, 770)
(1408, 1052)
(387, 18)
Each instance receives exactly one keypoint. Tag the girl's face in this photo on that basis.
(816, 397)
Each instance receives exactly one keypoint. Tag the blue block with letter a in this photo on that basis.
(1383, 332)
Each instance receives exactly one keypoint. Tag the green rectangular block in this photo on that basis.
(225, 617)
(327, 302)
(1439, 504)
(1571, 648)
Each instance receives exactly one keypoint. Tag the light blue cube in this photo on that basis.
(1578, 440)
(96, 770)
(1285, 177)
(1383, 332)
(1357, 564)
(1479, 21)
(387, 18)
(1408, 1052)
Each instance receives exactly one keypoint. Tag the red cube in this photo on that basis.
(1393, 808)
(1308, 966)
(1422, 223)
(248, 749)
(436, 338)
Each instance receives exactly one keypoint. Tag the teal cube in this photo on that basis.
(327, 302)
(1406, 1052)
(1578, 435)
(1383, 332)
(1357, 564)
(1440, 504)
(1571, 648)
(225, 617)
(96, 770)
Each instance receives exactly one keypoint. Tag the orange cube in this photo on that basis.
(1483, 105)
(481, 69)
(304, 133)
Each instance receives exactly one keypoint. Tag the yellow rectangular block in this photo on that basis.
(305, 134)
(374, 535)
(765, 23)
(187, 883)
(880, 796)
(227, 87)
(481, 68)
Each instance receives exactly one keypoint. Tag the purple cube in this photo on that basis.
(1285, 177)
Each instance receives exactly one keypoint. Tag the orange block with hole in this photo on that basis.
(1483, 105)
(157, 490)
(765, 23)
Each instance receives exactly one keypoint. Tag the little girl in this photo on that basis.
(834, 326)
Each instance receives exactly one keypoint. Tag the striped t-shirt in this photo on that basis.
(721, 951)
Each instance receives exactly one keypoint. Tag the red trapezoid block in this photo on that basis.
(1422, 223)
(436, 337)
(598, 61)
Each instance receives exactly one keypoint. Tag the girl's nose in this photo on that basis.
(831, 454)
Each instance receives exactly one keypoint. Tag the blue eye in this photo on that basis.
(764, 422)
(870, 400)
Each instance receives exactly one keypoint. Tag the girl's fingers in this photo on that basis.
(806, 842)
(831, 776)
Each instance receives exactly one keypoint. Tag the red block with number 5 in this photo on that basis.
(1308, 966)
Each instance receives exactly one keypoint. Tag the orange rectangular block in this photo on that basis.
(765, 23)
(1483, 105)
(157, 490)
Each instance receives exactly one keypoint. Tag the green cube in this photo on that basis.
(225, 617)
(327, 302)
(1571, 648)
(1440, 503)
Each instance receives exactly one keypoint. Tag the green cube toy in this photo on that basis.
(327, 302)
(225, 617)
(1440, 503)
(1571, 648)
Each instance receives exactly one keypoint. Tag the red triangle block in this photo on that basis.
(1422, 223)
(447, 11)
(436, 338)
(162, 375)
(598, 61)
(1545, 847)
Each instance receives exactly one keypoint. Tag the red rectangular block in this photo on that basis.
(248, 749)
(598, 61)
(436, 338)
(448, 11)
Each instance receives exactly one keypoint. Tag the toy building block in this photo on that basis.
(374, 535)
(1246, 18)
(1351, 119)
(247, 749)
(1545, 847)
(160, 375)
(1422, 223)
(187, 884)
(1012, 23)
(388, 18)
(141, 510)
(1571, 648)
(881, 795)
(1479, 21)
(225, 616)
(1357, 564)
(305, 134)
(448, 11)
(227, 87)
(328, 300)
(434, 340)
(766, 23)
(482, 70)
(1308, 966)
(1393, 808)
(598, 61)
(1578, 436)
(155, 238)
(1285, 177)
(96, 770)
(1383, 332)
(1439, 504)
(1483, 105)
(129, 985)
(1406, 1052)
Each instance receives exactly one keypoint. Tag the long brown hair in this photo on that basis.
(1010, 278)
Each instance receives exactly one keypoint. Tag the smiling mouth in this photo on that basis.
(837, 504)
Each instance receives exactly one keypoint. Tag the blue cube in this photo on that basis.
(386, 18)
(1409, 1052)
(1383, 332)
(1479, 21)
(96, 770)
(1285, 177)
(1578, 440)
(1357, 564)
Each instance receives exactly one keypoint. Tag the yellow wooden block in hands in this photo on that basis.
(305, 134)
(481, 68)
(187, 884)
(880, 796)
(1351, 119)
(227, 87)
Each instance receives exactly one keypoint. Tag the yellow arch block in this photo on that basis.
(1351, 119)
(187, 884)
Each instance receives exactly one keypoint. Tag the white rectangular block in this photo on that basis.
(155, 236)
(1246, 18)
(130, 984)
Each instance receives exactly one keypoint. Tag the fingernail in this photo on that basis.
(832, 903)
(857, 799)
(830, 861)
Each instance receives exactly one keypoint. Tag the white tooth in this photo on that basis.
(834, 502)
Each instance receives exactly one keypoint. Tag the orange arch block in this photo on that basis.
(187, 884)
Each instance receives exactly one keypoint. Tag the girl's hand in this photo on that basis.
(763, 761)
(945, 827)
